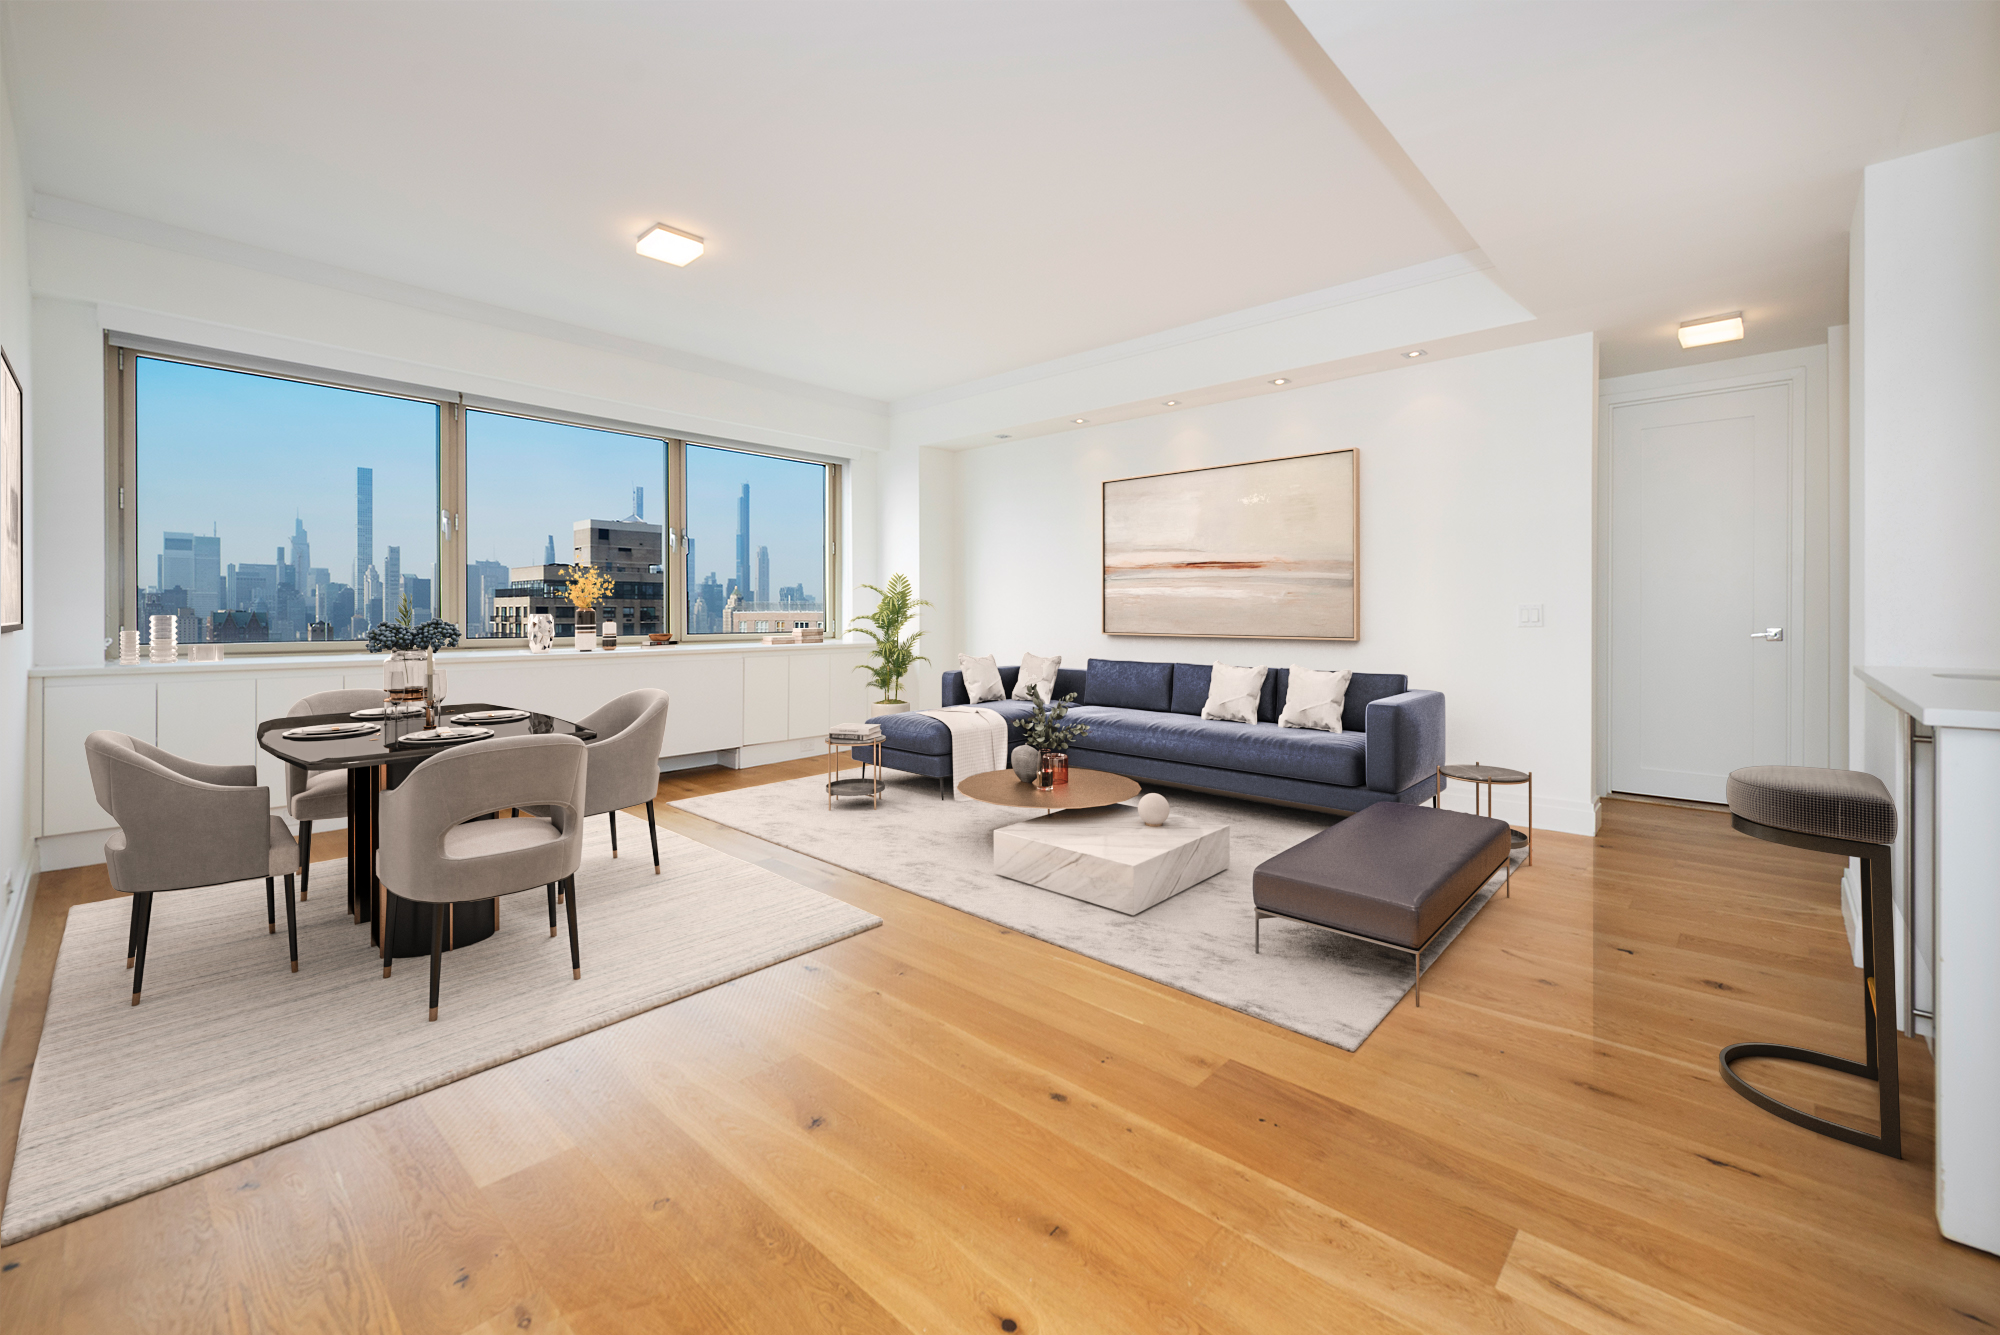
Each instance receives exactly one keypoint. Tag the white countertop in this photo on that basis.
(307, 661)
(1939, 697)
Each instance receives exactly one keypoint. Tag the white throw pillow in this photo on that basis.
(982, 679)
(1314, 699)
(1038, 672)
(1233, 693)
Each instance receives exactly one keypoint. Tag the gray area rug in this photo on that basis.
(1329, 987)
(231, 1053)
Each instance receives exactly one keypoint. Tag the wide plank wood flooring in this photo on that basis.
(944, 1126)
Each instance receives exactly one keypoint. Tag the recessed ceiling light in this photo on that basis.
(1170, 403)
(670, 244)
(1418, 353)
(1712, 329)
(1003, 436)
(1079, 420)
(1281, 381)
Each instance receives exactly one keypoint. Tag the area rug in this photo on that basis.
(1330, 987)
(231, 1053)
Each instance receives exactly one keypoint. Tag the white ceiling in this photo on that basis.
(897, 196)
(901, 198)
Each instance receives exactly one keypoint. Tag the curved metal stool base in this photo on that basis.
(1889, 1143)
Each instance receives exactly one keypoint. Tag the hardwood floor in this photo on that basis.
(942, 1125)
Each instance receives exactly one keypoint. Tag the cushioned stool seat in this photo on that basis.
(1849, 813)
(1389, 873)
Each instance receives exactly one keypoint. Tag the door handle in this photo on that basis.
(1774, 633)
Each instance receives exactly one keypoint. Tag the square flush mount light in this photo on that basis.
(670, 244)
(1712, 329)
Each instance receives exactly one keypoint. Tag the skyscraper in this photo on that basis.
(301, 556)
(638, 502)
(743, 542)
(763, 575)
(364, 524)
(392, 583)
(549, 552)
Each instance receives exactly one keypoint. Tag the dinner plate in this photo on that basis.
(491, 716)
(446, 735)
(321, 732)
(390, 711)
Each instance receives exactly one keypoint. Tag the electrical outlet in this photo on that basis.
(1529, 617)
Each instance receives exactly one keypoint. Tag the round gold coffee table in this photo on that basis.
(1086, 788)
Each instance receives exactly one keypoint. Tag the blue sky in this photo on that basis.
(239, 455)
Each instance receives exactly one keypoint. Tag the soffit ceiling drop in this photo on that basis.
(896, 197)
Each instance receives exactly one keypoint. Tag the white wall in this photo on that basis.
(1927, 394)
(1476, 497)
(88, 281)
(17, 647)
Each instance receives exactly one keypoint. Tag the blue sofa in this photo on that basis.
(1145, 723)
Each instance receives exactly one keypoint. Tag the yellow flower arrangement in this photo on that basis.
(588, 586)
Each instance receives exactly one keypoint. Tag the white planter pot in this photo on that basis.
(890, 707)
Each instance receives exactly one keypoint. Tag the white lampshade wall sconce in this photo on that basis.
(1712, 329)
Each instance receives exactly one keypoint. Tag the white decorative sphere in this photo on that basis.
(1153, 809)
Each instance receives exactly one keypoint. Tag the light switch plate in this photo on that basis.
(1530, 616)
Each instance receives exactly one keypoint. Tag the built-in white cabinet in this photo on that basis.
(723, 699)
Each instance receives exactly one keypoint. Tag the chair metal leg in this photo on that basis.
(305, 857)
(292, 923)
(270, 906)
(613, 813)
(653, 832)
(437, 954)
(385, 920)
(575, 959)
(142, 907)
(132, 936)
(552, 908)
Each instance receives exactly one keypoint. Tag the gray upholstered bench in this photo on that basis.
(1390, 873)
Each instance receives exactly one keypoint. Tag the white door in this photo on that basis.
(1700, 539)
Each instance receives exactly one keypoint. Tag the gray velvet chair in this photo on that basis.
(437, 851)
(182, 825)
(313, 796)
(625, 760)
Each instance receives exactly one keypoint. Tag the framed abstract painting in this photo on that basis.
(13, 596)
(1257, 551)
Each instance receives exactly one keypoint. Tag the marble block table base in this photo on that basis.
(1104, 856)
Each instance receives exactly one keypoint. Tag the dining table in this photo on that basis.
(379, 760)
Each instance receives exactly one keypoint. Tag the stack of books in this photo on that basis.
(854, 734)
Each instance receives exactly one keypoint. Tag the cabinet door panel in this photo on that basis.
(811, 682)
(767, 692)
(704, 704)
(72, 711)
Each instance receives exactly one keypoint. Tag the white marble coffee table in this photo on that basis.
(1104, 856)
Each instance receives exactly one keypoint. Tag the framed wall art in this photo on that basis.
(13, 596)
(1257, 551)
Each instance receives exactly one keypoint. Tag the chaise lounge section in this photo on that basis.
(1145, 723)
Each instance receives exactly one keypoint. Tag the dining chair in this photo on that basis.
(625, 760)
(182, 825)
(319, 795)
(437, 851)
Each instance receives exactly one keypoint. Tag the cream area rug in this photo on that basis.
(1331, 987)
(231, 1053)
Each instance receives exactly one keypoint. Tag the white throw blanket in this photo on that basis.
(978, 741)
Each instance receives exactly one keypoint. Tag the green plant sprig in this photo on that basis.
(895, 652)
(1045, 729)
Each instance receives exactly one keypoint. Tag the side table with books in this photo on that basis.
(843, 738)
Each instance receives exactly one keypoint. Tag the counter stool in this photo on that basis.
(1848, 813)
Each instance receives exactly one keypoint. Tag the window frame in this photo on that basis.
(122, 587)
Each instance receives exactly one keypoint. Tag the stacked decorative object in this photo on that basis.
(541, 633)
(128, 647)
(166, 639)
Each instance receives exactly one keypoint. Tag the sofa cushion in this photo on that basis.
(1190, 687)
(1122, 684)
(925, 736)
(1250, 748)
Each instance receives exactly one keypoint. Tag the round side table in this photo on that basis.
(1489, 775)
(868, 786)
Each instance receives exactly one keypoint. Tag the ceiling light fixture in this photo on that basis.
(1281, 381)
(1079, 420)
(1003, 436)
(1712, 329)
(1170, 403)
(670, 245)
(1418, 353)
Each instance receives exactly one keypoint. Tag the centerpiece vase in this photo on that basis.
(405, 677)
(1055, 770)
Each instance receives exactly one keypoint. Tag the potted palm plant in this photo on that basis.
(895, 652)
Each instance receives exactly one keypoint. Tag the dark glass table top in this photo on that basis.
(386, 747)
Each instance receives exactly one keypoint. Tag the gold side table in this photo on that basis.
(1489, 775)
(868, 786)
